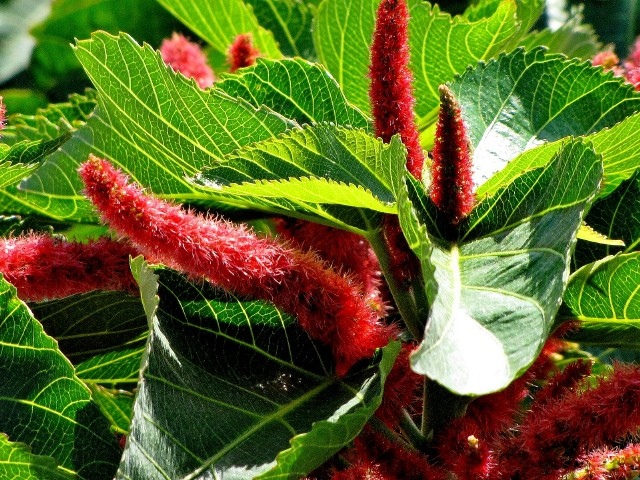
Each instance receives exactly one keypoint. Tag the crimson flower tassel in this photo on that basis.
(187, 58)
(3, 113)
(45, 268)
(451, 178)
(242, 53)
(329, 306)
(391, 91)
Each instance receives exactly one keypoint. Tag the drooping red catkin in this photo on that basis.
(609, 464)
(346, 252)
(451, 172)
(553, 438)
(45, 268)
(391, 91)
(329, 306)
(242, 53)
(187, 58)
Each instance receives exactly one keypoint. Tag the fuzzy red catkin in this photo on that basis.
(451, 172)
(242, 53)
(329, 306)
(391, 91)
(45, 268)
(187, 58)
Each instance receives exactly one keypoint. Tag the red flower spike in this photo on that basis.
(345, 251)
(451, 178)
(44, 268)
(610, 464)
(187, 58)
(328, 306)
(391, 92)
(242, 53)
(3, 113)
(634, 56)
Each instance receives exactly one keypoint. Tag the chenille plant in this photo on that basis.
(336, 239)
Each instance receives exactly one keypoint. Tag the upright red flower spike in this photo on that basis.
(46, 268)
(451, 177)
(187, 58)
(391, 91)
(329, 306)
(242, 53)
(3, 113)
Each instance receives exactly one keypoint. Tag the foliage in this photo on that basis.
(307, 239)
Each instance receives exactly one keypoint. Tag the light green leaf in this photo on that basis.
(297, 89)
(218, 22)
(495, 291)
(307, 168)
(252, 381)
(440, 46)
(152, 122)
(290, 21)
(43, 403)
(17, 462)
(524, 99)
(115, 405)
(603, 296)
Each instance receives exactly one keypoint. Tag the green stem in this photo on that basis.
(380, 427)
(405, 300)
(440, 407)
(412, 431)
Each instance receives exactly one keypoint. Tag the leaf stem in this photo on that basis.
(405, 299)
(412, 431)
(380, 427)
(440, 407)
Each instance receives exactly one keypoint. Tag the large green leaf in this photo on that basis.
(290, 22)
(440, 46)
(219, 21)
(523, 99)
(495, 291)
(42, 403)
(603, 296)
(17, 462)
(154, 123)
(102, 333)
(303, 170)
(228, 384)
(297, 89)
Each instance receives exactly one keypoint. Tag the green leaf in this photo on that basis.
(573, 38)
(603, 296)
(17, 462)
(23, 100)
(291, 24)
(152, 122)
(115, 405)
(524, 99)
(21, 159)
(296, 89)
(440, 46)
(43, 403)
(102, 333)
(218, 22)
(54, 65)
(616, 216)
(305, 169)
(494, 292)
(252, 381)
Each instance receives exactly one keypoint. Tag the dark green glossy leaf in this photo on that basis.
(495, 291)
(43, 403)
(299, 90)
(227, 384)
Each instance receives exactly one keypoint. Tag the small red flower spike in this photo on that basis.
(187, 58)
(45, 268)
(391, 92)
(242, 53)
(329, 306)
(3, 113)
(451, 178)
